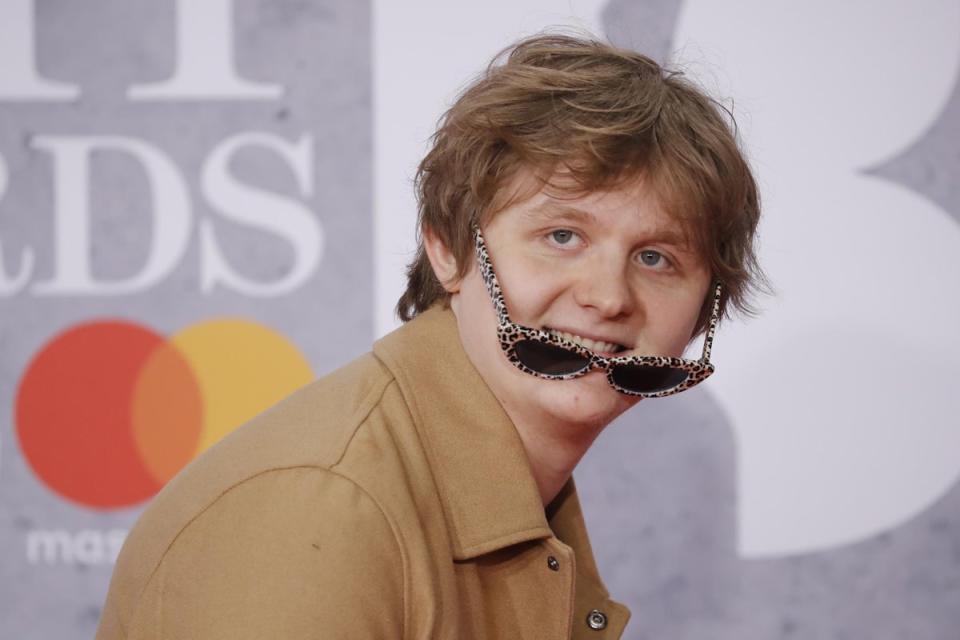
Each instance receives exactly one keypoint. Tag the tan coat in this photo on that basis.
(390, 499)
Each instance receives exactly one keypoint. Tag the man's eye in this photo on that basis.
(562, 236)
(652, 258)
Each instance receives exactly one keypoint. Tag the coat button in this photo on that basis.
(553, 563)
(597, 620)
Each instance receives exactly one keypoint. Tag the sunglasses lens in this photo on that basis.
(549, 359)
(646, 379)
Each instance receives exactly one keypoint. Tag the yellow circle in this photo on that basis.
(242, 369)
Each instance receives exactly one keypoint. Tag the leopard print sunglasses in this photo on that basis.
(546, 355)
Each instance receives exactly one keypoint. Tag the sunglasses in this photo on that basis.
(549, 356)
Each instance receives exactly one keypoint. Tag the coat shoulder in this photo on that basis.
(285, 553)
(272, 459)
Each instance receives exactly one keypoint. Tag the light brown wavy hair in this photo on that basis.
(561, 104)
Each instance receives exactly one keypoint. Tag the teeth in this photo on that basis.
(592, 345)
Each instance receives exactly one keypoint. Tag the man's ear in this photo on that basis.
(442, 260)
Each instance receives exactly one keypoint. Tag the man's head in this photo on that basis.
(576, 116)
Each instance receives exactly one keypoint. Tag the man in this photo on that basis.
(584, 215)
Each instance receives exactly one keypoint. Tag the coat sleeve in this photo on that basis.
(290, 553)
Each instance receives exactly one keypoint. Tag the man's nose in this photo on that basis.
(603, 286)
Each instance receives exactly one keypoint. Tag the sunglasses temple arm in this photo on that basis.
(490, 277)
(712, 327)
(493, 288)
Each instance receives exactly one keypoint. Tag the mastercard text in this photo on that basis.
(83, 547)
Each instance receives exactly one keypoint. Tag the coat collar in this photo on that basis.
(489, 496)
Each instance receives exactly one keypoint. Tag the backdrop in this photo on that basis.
(202, 202)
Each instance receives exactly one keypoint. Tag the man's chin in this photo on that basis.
(588, 400)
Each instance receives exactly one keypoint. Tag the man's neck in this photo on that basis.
(553, 450)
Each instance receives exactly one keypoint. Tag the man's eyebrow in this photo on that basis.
(677, 239)
(554, 211)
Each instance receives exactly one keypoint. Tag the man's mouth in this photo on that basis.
(597, 346)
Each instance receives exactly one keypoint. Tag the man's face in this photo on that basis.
(610, 269)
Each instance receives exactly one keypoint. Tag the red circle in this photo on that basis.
(74, 410)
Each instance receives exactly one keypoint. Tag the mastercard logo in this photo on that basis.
(108, 411)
